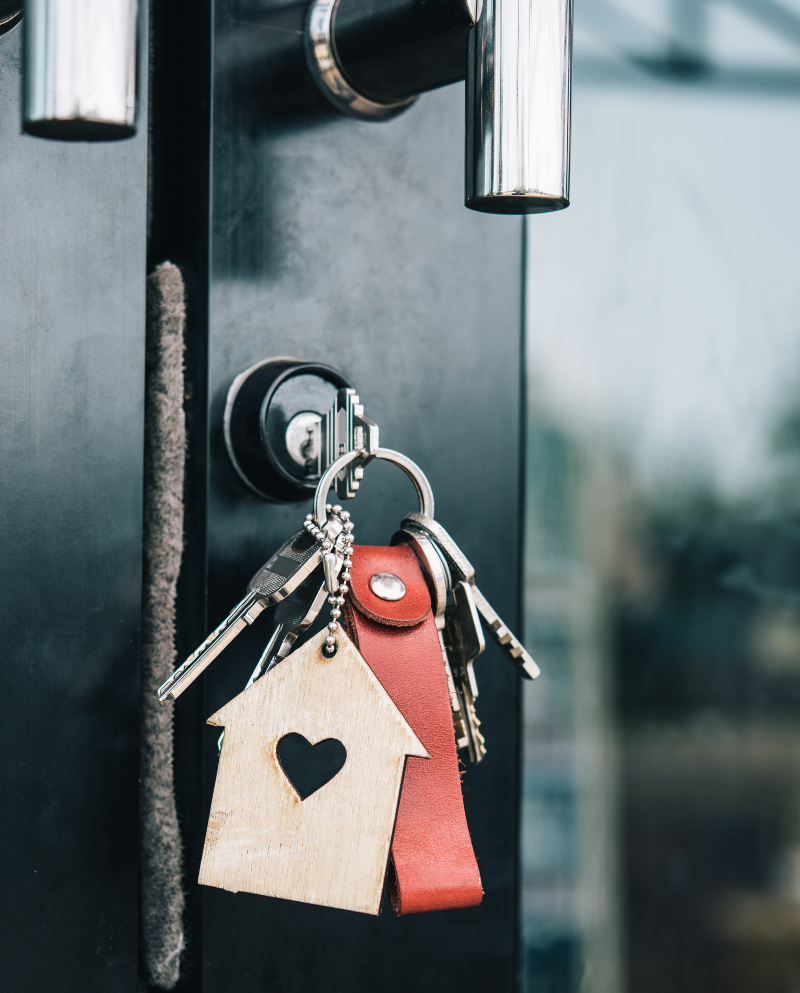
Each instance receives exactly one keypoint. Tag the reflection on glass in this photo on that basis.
(661, 819)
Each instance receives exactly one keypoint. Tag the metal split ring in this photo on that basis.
(411, 469)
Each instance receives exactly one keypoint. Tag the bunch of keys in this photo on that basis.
(458, 607)
(299, 577)
(306, 570)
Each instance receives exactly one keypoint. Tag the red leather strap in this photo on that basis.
(433, 863)
(411, 609)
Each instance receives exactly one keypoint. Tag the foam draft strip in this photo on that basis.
(162, 897)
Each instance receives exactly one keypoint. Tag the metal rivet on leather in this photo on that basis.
(387, 586)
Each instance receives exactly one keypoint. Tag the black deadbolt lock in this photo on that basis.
(273, 425)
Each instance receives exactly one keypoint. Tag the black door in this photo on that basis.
(316, 236)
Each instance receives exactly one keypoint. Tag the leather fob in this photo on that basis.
(433, 865)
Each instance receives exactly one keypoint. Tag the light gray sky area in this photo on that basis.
(664, 303)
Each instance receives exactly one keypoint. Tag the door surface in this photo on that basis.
(72, 258)
(346, 242)
(319, 237)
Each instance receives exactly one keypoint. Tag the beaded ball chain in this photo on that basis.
(343, 545)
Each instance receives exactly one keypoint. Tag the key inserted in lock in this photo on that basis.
(287, 421)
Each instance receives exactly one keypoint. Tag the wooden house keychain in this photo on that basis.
(378, 692)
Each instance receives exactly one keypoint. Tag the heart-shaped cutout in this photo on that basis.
(309, 767)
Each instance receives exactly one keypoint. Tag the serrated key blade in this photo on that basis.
(244, 613)
(504, 637)
(277, 579)
(462, 569)
(464, 642)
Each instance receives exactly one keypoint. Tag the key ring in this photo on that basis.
(411, 469)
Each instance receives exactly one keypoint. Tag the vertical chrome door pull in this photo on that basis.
(80, 69)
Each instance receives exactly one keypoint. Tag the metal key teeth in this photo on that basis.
(516, 651)
(479, 742)
(505, 637)
(471, 737)
(194, 656)
(209, 640)
(462, 738)
(502, 632)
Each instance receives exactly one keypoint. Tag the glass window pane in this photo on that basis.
(661, 810)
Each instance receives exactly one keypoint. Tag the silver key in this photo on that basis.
(504, 637)
(464, 641)
(244, 613)
(292, 563)
(293, 616)
(277, 579)
(437, 574)
(462, 570)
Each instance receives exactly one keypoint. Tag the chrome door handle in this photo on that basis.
(518, 106)
(79, 78)
(371, 57)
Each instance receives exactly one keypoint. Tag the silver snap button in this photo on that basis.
(387, 586)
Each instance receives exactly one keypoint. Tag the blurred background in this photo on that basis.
(661, 828)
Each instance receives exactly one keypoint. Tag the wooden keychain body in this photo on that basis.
(332, 847)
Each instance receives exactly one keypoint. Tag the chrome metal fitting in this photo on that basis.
(328, 75)
(79, 78)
